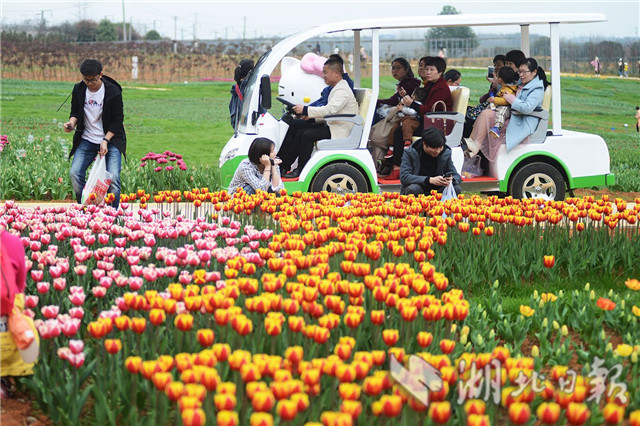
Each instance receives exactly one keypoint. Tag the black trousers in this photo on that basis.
(288, 151)
(306, 138)
(398, 144)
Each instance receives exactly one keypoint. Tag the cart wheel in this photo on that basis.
(339, 178)
(538, 180)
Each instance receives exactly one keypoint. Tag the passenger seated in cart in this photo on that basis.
(427, 165)
(341, 101)
(518, 128)
(287, 152)
(401, 71)
(430, 69)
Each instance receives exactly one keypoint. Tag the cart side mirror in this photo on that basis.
(265, 91)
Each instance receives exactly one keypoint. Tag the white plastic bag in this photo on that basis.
(97, 183)
(471, 167)
(449, 193)
(383, 110)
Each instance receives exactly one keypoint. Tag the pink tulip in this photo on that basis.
(45, 239)
(184, 278)
(136, 270)
(37, 275)
(103, 239)
(76, 289)
(149, 240)
(55, 271)
(120, 242)
(135, 283)
(171, 260)
(77, 299)
(121, 281)
(29, 313)
(213, 276)
(42, 287)
(35, 245)
(105, 282)
(254, 245)
(64, 353)
(149, 274)
(76, 360)
(89, 239)
(76, 313)
(133, 260)
(30, 302)
(80, 270)
(120, 303)
(70, 327)
(99, 292)
(82, 256)
(171, 271)
(49, 329)
(60, 284)
(50, 311)
(64, 265)
(97, 274)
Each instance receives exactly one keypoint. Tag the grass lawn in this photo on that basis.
(192, 119)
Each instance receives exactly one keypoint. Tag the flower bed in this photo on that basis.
(320, 308)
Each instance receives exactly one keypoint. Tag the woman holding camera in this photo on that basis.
(260, 171)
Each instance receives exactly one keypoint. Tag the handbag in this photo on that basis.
(97, 183)
(379, 134)
(438, 123)
(471, 167)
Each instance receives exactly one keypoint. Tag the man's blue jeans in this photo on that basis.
(82, 159)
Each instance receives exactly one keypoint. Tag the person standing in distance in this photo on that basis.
(97, 117)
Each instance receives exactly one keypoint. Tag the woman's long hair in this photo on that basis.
(405, 64)
(258, 148)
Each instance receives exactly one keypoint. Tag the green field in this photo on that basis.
(192, 119)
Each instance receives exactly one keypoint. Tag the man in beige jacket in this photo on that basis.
(341, 101)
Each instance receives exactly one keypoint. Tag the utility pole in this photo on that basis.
(130, 28)
(195, 24)
(124, 24)
(175, 34)
(244, 28)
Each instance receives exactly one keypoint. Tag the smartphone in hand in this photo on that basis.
(490, 72)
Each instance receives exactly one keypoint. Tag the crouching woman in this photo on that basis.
(427, 165)
(260, 171)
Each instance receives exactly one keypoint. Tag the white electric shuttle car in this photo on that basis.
(555, 160)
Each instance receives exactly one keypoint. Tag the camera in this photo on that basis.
(490, 72)
(272, 162)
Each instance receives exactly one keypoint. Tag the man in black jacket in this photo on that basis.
(97, 118)
(427, 165)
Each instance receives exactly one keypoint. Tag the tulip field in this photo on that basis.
(231, 309)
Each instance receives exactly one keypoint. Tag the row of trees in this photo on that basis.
(81, 31)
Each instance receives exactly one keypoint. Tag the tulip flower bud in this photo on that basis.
(541, 304)
(545, 323)
(565, 330)
(576, 293)
(463, 339)
(484, 315)
(496, 284)
(535, 294)
(610, 294)
(492, 334)
(535, 352)
(622, 303)
(561, 293)
(556, 326)
(609, 347)
(465, 330)
(479, 340)
(454, 327)
(592, 295)
(603, 336)
(586, 287)
(563, 350)
(634, 357)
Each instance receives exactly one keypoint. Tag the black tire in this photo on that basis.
(538, 180)
(339, 178)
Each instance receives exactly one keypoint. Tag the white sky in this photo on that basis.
(212, 19)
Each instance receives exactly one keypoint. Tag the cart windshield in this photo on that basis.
(251, 86)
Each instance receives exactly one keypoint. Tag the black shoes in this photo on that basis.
(292, 174)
